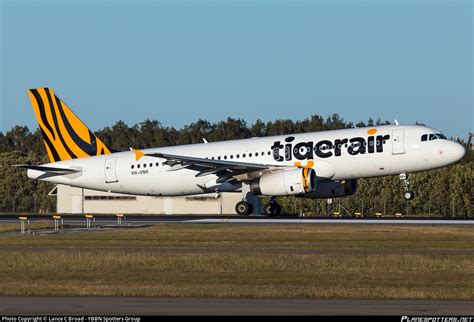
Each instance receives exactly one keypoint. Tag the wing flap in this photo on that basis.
(224, 169)
(209, 163)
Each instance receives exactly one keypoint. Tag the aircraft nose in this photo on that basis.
(456, 151)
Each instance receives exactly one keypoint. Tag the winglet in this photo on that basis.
(138, 154)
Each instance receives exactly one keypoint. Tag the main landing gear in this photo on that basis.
(407, 194)
(272, 208)
(245, 208)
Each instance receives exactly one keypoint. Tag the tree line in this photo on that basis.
(447, 191)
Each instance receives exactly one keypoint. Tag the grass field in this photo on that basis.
(323, 261)
(42, 224)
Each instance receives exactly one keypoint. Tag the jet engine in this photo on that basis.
(285, 182)
(333, 189)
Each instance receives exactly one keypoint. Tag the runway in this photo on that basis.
(60, 305)
(193, 219)
(334, 221)
(226, 306)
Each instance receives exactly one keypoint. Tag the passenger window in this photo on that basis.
(250, 155)
(219, 157)
(138, 166)
(144, 165)
(231, 156)
(157, 164)
(133, 166)
(256, 154)
(243, 155)
(225, 157)
(151, 164)
(269, 152)
(424, 137)
(237, 156)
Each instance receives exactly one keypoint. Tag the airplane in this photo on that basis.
(325, 164)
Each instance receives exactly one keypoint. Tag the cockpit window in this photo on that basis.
(433, 136)
(437, 136)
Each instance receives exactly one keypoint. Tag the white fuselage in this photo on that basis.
(337, 155)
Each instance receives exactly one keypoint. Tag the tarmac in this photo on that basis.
(255, 219)
(14, 306)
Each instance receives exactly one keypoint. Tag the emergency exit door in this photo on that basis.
(110, 170)
(398, 144)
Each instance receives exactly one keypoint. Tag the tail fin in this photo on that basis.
(65, 136)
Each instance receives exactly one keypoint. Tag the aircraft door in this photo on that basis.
(398, 144)
(110, 170)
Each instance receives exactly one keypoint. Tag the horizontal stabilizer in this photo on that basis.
(47, 169)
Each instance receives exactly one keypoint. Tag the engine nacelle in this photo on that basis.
(285, 182)
(333, 189)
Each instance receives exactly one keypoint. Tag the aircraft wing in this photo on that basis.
(223, 168)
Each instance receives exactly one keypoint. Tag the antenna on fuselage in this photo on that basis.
(205, 141)
(396, 122)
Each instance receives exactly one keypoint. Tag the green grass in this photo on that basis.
(6, 228)
(402, 262)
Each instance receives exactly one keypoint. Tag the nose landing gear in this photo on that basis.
(407, 194)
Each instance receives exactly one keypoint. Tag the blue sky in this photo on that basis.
(178, 61)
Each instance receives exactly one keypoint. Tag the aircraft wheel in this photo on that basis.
(243, 208)
(271, 209)
(408, 195)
